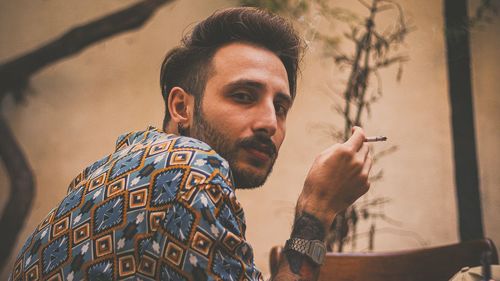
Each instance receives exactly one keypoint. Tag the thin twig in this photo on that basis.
(22, 190)
(15, 74)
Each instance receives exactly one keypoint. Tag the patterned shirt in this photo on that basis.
(161, 207)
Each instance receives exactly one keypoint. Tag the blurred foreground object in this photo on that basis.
(426, 264)
(475, 274)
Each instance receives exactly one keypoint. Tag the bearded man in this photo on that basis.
(163, 207)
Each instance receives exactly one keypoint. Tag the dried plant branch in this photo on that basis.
(377, 176)
(484, 12)
(379, 201)
(329, 130)
(385, 8)
(421, 241)
(390, 230)
(14, 77)
(373, 51)
(22, 190)
(367, 5)
(384, 152)
(387, 219)
(15, 74)
(390, 61)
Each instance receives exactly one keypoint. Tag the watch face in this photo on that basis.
(317, 252)
(314, 249)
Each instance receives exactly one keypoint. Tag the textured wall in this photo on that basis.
(486, 86)
(80, 105)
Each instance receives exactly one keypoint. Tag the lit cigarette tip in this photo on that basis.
(375, 139)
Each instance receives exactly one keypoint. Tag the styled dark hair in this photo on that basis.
(189, 66)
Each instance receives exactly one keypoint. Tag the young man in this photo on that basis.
(163, 207)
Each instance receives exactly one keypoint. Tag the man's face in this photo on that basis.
(243, 110)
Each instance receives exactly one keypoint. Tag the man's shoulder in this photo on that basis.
(188, 152)
(159, 153)
(141, 156)
(152, 181)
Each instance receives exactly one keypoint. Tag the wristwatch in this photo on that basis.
(314, 249)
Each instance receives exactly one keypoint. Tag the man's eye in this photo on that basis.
(281, 110)
(242, 97)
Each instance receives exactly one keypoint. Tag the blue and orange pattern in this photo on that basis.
(161, 207)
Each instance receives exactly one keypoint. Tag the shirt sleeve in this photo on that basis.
(200, 236)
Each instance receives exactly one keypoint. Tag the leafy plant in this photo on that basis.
(373, 50)
(484, 13)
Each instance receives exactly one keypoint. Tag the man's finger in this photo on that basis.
(362, 154)
(357, 139)
(367, 166)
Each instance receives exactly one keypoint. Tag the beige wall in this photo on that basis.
(79, 106)
(486, 86)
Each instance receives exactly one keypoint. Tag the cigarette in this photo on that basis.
(375, 139)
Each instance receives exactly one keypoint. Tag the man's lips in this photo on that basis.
(259, 154)
(259, 147)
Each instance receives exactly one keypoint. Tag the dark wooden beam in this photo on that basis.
(462, 119)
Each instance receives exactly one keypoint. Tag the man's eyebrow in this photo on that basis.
(285, 98)
(245, 83)
(257, 85)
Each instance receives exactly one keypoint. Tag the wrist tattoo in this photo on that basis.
(308, 227)
(295, 261)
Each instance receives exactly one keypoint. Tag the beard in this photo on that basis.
(229, 149)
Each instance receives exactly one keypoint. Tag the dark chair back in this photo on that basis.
(427, 264)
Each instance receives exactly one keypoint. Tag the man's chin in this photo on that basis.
(250, 177)
(248, 183)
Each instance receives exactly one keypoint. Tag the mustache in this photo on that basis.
(260, 142)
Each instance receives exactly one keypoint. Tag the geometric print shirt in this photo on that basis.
(161, 207)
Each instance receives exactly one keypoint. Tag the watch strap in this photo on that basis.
(314, 249)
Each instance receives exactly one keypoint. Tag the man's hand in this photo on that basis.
(338, 177)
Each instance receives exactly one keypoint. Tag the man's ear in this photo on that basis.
(181, 106)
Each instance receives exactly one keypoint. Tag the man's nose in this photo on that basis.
(265, 119)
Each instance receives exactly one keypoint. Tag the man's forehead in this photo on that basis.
(245, 52)
(246, 62)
